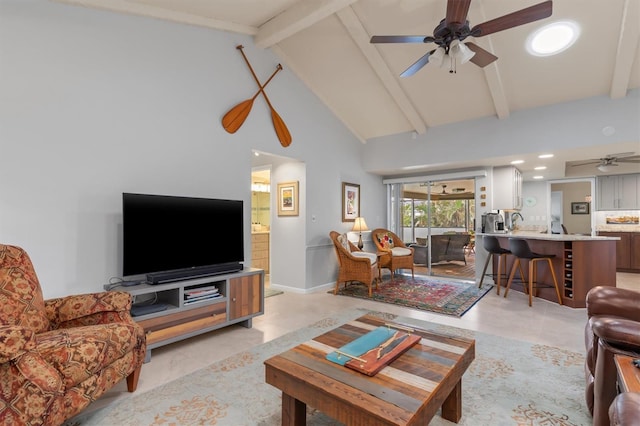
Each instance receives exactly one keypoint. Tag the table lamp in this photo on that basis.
(358, 226)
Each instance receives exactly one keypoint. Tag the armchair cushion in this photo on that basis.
(81, 352)
(371, 256)
(21, 300)
(400, 251)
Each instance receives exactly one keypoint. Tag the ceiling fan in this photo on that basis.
(454, 29)
(605, 163)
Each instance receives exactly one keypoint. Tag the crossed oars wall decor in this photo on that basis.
(237, 115)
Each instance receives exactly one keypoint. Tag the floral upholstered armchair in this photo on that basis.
(59, 355)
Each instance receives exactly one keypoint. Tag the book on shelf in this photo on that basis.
(202, 298)
(201, 292)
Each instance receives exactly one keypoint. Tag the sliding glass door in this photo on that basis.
(437, 218)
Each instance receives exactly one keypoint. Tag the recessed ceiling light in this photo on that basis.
(540, 168)
(553, 38)
(517, 162)
(545, 155)
(538, 177)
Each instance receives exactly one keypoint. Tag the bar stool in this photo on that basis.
(492, 245)
(521, 250)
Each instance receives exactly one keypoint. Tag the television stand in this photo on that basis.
(198, 305)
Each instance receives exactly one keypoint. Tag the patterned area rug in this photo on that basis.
(510, 382)
(442, 296)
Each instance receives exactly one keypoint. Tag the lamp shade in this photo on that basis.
(437, 57)
(360, 225)
(461, 52)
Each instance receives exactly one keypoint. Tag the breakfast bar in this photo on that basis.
(581, 262)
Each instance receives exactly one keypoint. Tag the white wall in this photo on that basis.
(555, 127)
(93, 104)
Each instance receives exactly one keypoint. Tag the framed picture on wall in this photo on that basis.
(288, 199)
(350, 201)
(579, 208)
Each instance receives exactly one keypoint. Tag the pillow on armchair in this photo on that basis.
(386, 240)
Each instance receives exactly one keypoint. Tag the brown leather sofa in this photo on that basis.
(613, 327)
(625, 410)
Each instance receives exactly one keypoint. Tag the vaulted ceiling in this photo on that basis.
(326, 43)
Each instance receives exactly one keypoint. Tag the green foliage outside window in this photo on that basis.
(444, 213)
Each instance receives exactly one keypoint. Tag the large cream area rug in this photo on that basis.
(509, 383)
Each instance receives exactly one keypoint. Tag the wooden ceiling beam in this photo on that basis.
(627, 49)
(360, 36)
(141, 9)
(298, 17)
(492, 73)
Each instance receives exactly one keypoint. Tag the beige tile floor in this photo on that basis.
(545, 323)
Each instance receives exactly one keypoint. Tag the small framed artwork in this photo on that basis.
(350, 201)
(579, 208)
(288, 199)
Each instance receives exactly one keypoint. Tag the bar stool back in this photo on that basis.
(521, 250)
(492, 245)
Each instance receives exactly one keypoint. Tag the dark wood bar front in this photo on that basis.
(580, 263)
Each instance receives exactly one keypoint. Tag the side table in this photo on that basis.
(628, 374)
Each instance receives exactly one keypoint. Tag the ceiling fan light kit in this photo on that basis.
(609, 162)
(454, 29)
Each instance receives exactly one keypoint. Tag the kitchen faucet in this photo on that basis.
(513, 216)
(511, 222)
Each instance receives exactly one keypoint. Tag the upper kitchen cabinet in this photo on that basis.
(507, 188)
(619, 192)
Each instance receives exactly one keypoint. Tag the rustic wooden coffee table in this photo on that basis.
(409, 391)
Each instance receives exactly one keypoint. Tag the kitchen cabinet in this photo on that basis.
(507, 188)
(260, 251)
(619, 192)
(627, 250)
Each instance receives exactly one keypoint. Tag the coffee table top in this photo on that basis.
(410, 390)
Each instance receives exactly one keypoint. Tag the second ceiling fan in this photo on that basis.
(454, 29)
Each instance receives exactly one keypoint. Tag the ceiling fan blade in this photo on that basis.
(521, 17)
(457, 11)
(623, 155)
(628, 160)
(482, 58)
(586, 163)
(401, 39)
(417, 65)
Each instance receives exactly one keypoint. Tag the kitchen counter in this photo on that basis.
(580, 263)
(527, 235)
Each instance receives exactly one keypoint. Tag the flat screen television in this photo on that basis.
(168, 238)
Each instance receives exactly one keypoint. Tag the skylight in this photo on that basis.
(553, 38)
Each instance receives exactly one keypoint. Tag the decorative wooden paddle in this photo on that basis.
(237, 115)
(281, 129)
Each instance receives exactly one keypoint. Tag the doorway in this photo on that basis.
(565, 195)
(438, 218)
(261, 220)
